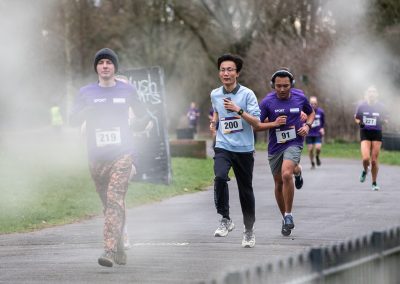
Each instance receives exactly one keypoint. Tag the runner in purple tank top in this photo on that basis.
(317, 131)
(281, 115)
(370, 116)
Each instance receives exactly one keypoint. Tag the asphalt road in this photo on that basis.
(173, 240)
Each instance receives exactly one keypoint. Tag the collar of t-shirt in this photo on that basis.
(234, 91)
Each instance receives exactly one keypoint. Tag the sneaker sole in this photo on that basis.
(286, 232)
(105, 262)
(248, 245)
(224, 235)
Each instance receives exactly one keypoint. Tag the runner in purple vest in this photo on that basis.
(281, 114)
(370, 116)
(317, 131)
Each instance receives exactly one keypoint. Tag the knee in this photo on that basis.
(286, 175)
(374, 163)
(366, 160)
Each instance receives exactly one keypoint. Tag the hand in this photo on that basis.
(303, 131)
(281, 120)
(303, 116)
(212, 126)
(230, 105)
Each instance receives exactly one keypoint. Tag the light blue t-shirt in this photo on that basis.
(234, 133)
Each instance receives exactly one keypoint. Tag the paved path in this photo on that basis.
(173, 240)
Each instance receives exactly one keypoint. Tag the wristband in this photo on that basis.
(309, 125)
(240, 112)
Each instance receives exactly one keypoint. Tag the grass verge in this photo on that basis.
(348, 151)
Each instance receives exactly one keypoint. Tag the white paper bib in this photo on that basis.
(231, 124)
(108, 137)
(282, 136)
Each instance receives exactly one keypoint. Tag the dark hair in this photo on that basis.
(282, 72)
(231, 57)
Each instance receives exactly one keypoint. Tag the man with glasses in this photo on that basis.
(236, 110)
(281, 114)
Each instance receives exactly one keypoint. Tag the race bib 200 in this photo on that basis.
(231, 124)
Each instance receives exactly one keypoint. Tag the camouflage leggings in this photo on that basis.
(111, 179)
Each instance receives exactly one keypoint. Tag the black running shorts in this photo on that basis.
(371, 135)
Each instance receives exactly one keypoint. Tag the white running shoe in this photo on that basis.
(224, 228)
(249, 239)
(375, 187)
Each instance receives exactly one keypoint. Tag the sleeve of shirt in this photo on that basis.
(77, 115)
(307, 108)
(264, 110)
(252, 105)
(357, 112)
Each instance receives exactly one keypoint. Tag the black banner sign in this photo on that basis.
(153, 160)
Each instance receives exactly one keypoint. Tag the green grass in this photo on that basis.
(50, 185)
(46, 182)
(349, 151)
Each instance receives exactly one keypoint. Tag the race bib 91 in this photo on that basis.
(282, 136)
(231, 124)
(108, 137)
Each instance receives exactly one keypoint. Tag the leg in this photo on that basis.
(115, 212)
(243, 165)
(100, 173)
(288, 167)
(318, 147)
(222, 165)
(376, 147)
(280, 201)
(366, 153)
(310, 148)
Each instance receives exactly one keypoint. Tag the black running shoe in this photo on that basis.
(318, 160)
(289, 222)
(285, 231)
(298, 181)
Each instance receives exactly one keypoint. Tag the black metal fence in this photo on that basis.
(374, 258)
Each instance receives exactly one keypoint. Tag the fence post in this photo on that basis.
(377, 240)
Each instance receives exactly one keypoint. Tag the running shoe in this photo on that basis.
(318, 160)
(120, 256)
(287, 225)
(363, 176)
(375, 187)
(224, 228)
(298, 180)
(106, 259)
(312, 165)
(285, 231)
(249, 239)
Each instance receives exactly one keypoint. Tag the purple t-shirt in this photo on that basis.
(318, 123)
(372, 115)
(106, 112)
(280, 138)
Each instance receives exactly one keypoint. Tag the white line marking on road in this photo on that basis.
(160, 244)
